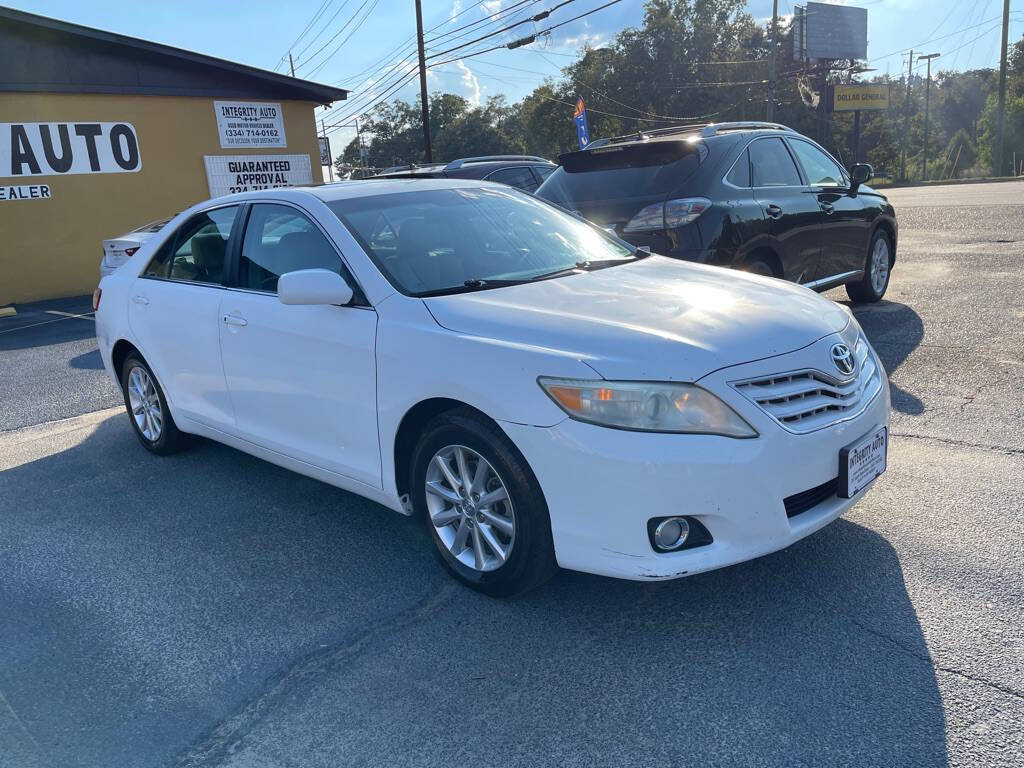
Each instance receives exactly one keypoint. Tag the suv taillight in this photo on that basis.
(668, 215)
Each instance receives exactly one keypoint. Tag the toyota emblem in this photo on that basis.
(842, 357)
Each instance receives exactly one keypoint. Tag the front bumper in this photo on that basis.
(603, 485)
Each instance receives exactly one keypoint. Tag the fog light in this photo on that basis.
(671, 533)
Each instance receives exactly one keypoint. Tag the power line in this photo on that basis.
(485, 20)
(348, 37)
(322, 30)
(333, 37)
(538, 17)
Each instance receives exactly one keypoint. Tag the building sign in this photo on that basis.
(850, 98)
(25, 192)
(325, 150)
(54, 149)
(227, 174)
(579, 116)
(250, 124)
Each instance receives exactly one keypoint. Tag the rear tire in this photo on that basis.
(757, 267)
(877, 271)
(148, 413)
(503, 548)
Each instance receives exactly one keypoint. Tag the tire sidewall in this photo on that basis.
(532, 537)
(868, 283)
(162, 443)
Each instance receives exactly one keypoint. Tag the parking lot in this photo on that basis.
(210, 609)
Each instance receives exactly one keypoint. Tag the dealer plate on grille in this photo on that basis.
(862, 462)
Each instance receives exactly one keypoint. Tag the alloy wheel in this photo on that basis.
(880, 265)
(145, 404)
(470, 508)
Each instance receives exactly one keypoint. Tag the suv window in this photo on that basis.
(819, 168)
(772, 165)
(543, 171)
(739, 176)
(520, 178)
(279, 239)
(197, 250)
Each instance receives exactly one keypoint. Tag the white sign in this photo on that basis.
(54, 149)
(25, 192)
(250, 124)
(227, 174)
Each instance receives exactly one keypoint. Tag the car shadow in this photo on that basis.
(157, 598)
(895, 330)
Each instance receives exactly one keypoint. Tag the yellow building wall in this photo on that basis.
(52, 248)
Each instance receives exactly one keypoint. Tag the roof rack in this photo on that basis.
(712, 129)
(642, 134)
(494, 159)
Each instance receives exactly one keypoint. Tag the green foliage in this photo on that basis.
(702, 61)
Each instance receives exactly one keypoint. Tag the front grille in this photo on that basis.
(803, 401)
(801, 502)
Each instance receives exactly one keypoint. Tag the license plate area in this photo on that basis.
(862, 461)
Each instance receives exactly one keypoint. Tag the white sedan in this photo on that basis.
(537, 391)
(117, 250)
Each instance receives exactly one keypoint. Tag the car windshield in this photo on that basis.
(467, 238)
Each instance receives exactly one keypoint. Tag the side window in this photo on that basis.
(819, 168)
(544, 171)
(520, 178)
(772, 165)
(279, 239)
(197, 250)
(739, 176)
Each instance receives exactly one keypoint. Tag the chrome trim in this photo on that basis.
(843, 277)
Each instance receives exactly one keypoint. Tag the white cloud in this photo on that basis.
(470, 81)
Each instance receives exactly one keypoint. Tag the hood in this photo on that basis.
(655, 319)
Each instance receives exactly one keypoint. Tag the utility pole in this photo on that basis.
(423, 85)
(291, 63)
(927, 94)
(771, 60)
(906, 119)
(1000, 133)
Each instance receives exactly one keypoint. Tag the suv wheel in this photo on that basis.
(877, 270)
(482, 505)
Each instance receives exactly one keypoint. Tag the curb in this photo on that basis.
(948, 182)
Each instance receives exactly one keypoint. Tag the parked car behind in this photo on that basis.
(537, 392)
(525, 172)
(754, 196)
(117, 250)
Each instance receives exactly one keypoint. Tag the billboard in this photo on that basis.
(850, 98)
(835, 31)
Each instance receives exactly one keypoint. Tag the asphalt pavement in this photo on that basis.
(209, 609)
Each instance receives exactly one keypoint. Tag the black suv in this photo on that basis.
(525, 172)
(754, 196)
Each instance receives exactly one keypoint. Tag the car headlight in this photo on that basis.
(646, 406)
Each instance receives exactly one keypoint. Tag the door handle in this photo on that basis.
(828, 207)
(235, 320)
(773, 211)
(140, 299)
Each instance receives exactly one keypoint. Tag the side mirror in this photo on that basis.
(861, 173)
(313, 286)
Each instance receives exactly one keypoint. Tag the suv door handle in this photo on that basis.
(773, 211)
(827, 207)
(235, 320)
(140, 299)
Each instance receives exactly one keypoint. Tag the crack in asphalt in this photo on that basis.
(223, 739)
(963, 443)
(926, 657)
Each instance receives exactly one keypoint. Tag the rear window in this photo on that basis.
(611, 173)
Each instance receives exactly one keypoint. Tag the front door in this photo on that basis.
(792, 216)
(844, 224)
(302, 379)
(173, 315)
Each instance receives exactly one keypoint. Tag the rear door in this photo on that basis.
(174, 315)
(792, 216)
(845, 225)
(302, 378)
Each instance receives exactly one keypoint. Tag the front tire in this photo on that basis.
(877, 271)
(147, 408)
(482, 506)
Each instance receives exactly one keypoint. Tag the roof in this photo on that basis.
(40, 54)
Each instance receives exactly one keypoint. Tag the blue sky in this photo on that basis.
(260, 33)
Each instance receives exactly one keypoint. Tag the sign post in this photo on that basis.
(579, 116)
